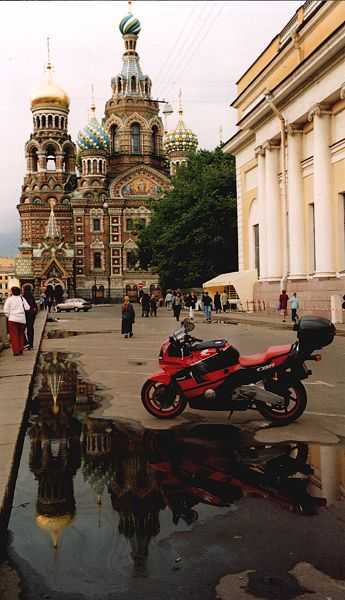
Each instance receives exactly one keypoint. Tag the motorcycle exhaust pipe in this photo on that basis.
(255, 392)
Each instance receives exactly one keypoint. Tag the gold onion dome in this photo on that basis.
(49, 93)
(54, 526)
(181, 139)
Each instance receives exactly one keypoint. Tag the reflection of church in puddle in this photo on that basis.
(78, 233)
(145, 472)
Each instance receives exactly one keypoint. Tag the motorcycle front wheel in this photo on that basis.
(293, 405)
(162, 401)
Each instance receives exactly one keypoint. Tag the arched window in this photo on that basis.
(89, 167)
(38, 121)
(50, 121)
(146, 87)
(43, 120)
(56, 122)
(119, 85)
(113, 140)
(133, 84)
(135, 138)
(51, 158)
(94, 166)
(100, 170)
(155, 145)
(62, 122)
(34, 160)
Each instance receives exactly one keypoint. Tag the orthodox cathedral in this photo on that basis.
(81, 203)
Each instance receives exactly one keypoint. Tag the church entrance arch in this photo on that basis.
(54, 289)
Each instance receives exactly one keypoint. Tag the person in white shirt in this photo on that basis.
(294, 304)
(14, 309)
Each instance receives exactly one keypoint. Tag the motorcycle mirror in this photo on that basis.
(188, 324)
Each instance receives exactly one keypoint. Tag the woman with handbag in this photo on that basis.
(30, 316)
(128, 318)
(15, 309)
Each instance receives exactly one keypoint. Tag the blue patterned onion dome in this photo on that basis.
(130, 24)
(180, 140)
(93, 137)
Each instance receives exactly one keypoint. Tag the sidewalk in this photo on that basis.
(258, 319)
(15, 381)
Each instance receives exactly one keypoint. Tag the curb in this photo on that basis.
(7, 500)
(239, 320)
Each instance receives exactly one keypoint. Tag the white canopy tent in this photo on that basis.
(242, 281)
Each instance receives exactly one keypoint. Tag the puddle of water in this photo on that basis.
(104, 507)
(64, 333)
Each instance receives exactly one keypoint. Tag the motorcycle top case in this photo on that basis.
(315, 332)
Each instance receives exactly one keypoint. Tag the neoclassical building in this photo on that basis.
(290, 159)
(81, 204)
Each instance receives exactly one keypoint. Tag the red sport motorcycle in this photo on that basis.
(212, 375)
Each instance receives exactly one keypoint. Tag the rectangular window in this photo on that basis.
(129, 225)
(131, 260)
(96, 225)
(97, 260)
(257, 248)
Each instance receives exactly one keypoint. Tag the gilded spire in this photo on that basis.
(129, 7)
(93, 105)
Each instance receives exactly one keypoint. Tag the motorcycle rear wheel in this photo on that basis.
(153, 395)
(296, 402)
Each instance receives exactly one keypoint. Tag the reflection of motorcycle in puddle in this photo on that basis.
(199, 469)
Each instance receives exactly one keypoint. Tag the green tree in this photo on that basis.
(192, 235)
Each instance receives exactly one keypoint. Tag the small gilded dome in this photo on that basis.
(54, 526)
(93, 136)
(49, 93)
(181, 139)
(130, 24)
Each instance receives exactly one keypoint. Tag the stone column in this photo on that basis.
(297, 257)
(42, 161)
(273, 213)
(324, 234)
(59, 161)
(260, 154)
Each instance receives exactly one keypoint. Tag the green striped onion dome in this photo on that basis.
(93, 137)
(130, 24)
(180, 140)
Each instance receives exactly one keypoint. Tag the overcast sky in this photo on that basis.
(201, 46)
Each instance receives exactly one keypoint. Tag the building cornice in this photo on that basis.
(237, 141)
(289, 45)
(313, 65)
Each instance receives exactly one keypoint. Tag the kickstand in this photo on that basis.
(230, 415)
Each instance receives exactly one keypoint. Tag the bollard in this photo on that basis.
(3, 332)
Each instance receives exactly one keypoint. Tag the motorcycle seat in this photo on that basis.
(198, 346)
(264, 357)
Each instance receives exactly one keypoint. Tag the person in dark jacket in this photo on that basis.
(217, 303)
(145, 305)
(128, 318)
(30, 317)
(153, 306)
(177, 305)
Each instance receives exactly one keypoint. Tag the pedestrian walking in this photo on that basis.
(153, 306)
(294, 304)
(283, 302)
(145, 305)
(217, 302)
(168, 300)
(194, 300)
(225, 301)
(30, 316)
(177, 305)
(15, 308)
(207, 304)
(128, 318)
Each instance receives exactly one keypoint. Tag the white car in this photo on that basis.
(75, 304)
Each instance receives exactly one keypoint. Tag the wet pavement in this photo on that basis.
(110, 507)
(107, 509)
